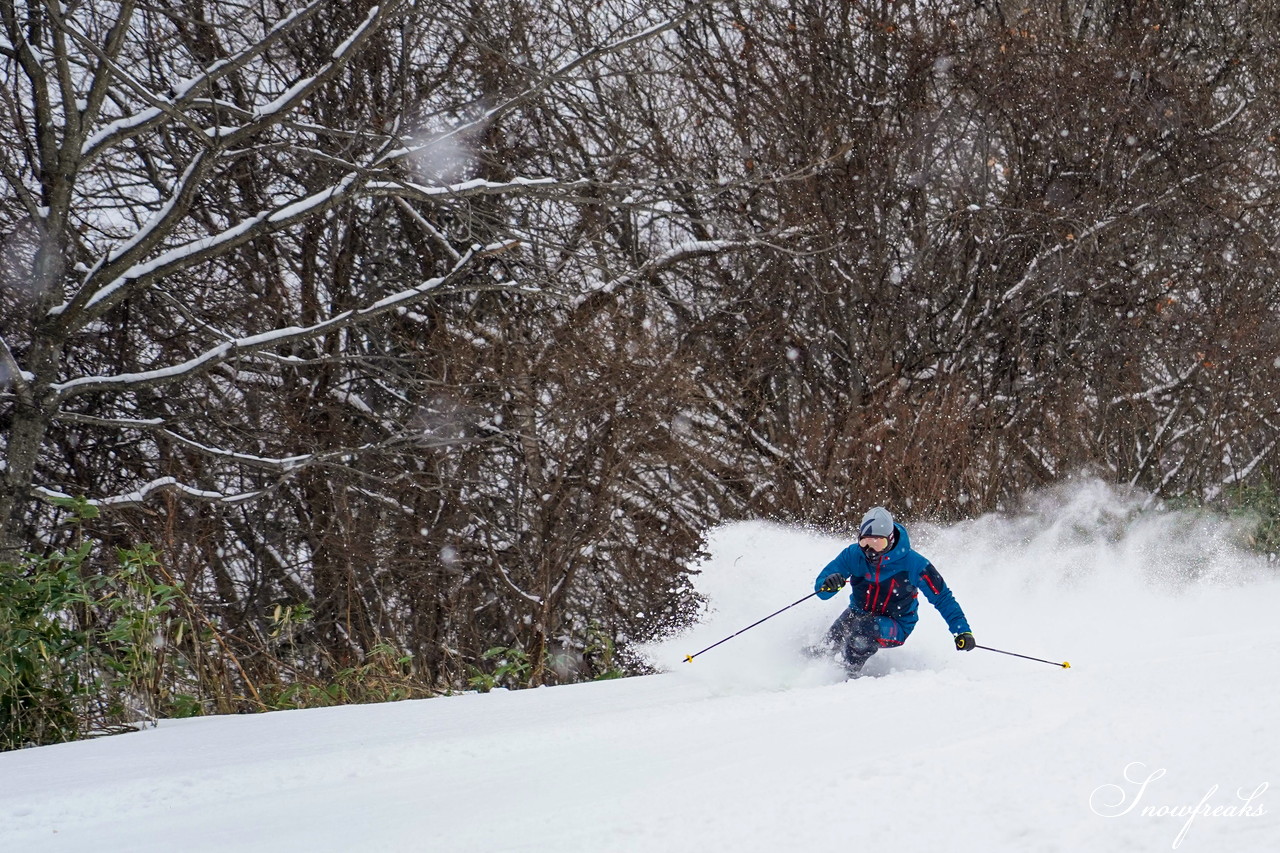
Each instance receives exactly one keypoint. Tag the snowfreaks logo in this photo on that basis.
(1119, 800)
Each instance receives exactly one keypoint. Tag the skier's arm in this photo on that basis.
(842, 565)
(939, 594)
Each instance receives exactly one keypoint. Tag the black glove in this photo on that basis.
(965, 642)
(833, 582)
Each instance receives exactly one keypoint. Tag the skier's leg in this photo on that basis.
(853, 635)
(833, 641)
(857, 651)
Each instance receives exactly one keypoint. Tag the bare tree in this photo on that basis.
(455, 327)
(252, 249)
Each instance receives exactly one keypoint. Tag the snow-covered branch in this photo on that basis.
(1085, 234)
(126, 269)
(163, 484)
(474, 187)
(245, 346)
(174, 108)
(94, 300)
(513, 586)
(279, 464)
(288, 101)
(1151, 394)
(565, 71)
(11, 375)
(683, 252)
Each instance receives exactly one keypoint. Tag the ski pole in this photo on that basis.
(689, 658)
(1064, 664)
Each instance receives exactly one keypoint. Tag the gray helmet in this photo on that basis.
(877, 522)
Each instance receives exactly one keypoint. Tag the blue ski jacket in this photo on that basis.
(886, 586)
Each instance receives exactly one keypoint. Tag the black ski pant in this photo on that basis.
(854, 636)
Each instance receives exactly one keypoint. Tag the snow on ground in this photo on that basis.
(1169, 706)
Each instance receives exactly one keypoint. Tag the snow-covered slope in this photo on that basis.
(1171, 631)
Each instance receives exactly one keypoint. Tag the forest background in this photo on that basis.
(354, 352)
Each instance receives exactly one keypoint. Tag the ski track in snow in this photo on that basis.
(1171, 632)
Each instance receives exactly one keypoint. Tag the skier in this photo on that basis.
(885, 574)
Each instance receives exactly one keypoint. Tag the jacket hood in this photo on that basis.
(901, 548)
